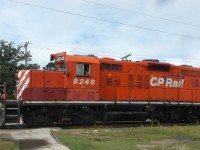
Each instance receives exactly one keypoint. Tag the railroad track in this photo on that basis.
(105, 125)
(128, 125)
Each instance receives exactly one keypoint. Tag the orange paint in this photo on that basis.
(113, 80)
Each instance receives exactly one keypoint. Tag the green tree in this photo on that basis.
(50, 66)
(11, 58)
(29, 66)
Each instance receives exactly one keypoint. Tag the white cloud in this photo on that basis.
(50, 31)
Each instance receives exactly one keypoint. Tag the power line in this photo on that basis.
(96, 51)
(100, 54)
(104, 20)
(45, 47)
(140, 13)
(73, 50)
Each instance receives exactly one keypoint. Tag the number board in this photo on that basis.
(60, 58)
(84, 81)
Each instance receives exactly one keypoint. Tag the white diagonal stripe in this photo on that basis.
(19, 74)
(24, 76)
(23, 88)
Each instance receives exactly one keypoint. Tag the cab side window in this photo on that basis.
(83, 70)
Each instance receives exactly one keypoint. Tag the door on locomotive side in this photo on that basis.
(190, 87)
(108, 77)
(113, 76)
(82, 78)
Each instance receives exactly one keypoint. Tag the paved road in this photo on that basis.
(37, 139)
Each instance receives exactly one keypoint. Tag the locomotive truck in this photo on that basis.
(88, 89)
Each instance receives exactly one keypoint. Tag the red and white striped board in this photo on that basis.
(23, 82)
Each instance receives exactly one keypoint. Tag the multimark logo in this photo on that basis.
(167, 82)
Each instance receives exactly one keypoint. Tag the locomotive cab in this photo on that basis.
(82, 75)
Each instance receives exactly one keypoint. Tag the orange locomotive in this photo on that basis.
(85, 89)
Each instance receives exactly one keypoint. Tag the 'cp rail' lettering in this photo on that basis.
(168, 82)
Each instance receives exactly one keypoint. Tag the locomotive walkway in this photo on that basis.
(37, 139)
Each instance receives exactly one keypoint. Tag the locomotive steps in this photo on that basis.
(12, 112)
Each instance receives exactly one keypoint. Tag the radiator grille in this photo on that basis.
(146, 81)
(139, 84)
(90, 95)
(117, 82)
(130, 80)
(109, 82)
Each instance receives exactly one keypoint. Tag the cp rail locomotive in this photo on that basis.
(87, 89)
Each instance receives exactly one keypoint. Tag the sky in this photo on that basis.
(168, 30)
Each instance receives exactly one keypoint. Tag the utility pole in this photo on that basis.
(26, 55)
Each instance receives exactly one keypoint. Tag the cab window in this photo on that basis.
(83, 70)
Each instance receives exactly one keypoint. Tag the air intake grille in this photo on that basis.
(117, 82)
(90, 95)
(109, 82)
(76, 95)
(139, 84)
(146, 81)
(130, 80)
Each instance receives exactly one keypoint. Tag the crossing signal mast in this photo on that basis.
(26, 53)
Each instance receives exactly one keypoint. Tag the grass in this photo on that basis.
(6, 142)
(8, 145)
(148, 138)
